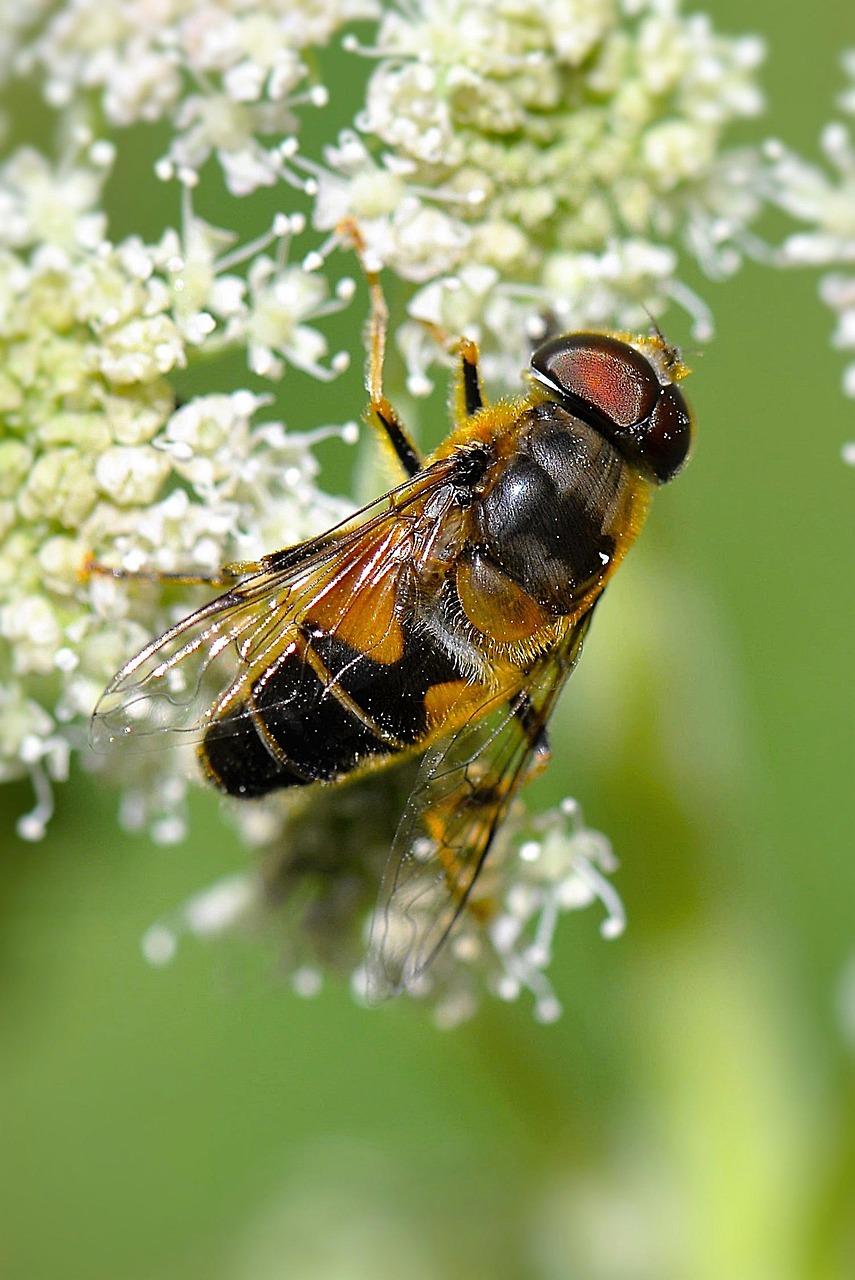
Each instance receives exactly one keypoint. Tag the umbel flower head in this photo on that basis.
(318, 886)
(229, 78)
(98, 460)
(531, 165)
(517, 167)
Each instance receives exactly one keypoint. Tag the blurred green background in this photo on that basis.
(692, 1117)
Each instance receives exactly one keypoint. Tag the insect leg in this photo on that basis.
(469, 395)
(223, 577)
(469, 390)
(380, 412)
(533, 727)
(382, 415)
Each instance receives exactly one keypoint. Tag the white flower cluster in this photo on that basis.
(227, 76)
(824, 200)
(314, 893)
(531, 164)
(520, 166)
(97, 461)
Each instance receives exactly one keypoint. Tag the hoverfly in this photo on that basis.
(441, 620)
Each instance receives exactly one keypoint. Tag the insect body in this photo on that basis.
(442, 619)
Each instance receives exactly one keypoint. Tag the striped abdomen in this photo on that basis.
(323, 709)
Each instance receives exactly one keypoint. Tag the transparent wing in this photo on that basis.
(465, 787)
(345, 582)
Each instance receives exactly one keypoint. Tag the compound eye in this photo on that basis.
(615, 389)
(601, 377)
(667, 437)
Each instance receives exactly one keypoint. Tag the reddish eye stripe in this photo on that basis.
(604, 373)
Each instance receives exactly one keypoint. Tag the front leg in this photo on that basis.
(380, 412)
(469, 395)
(222, 577)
